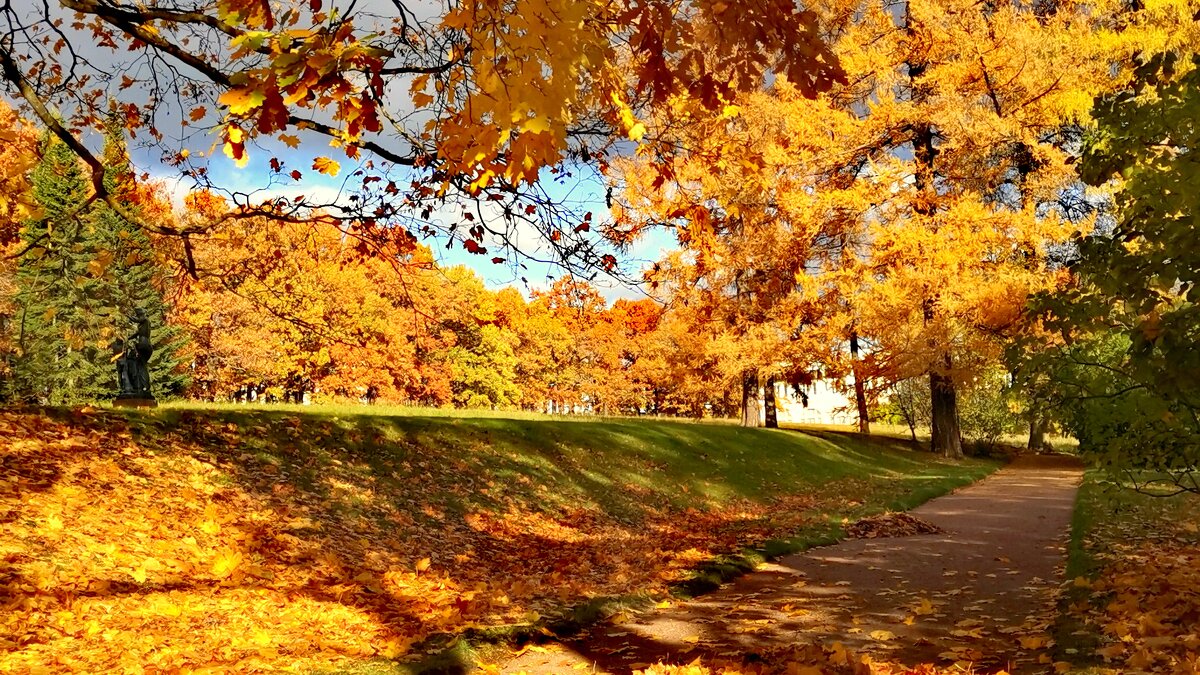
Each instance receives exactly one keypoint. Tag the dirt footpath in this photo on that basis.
(981, 591)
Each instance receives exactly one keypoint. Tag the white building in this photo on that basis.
(820, 404)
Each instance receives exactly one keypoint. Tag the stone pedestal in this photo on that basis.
(134, 402)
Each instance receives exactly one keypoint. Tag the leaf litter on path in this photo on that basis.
(902, 605)
(891, 525)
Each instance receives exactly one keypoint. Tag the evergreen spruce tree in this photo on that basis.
(57, 338)
(82, 281)
(135, 280)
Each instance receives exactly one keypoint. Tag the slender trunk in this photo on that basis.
(1037, 432)
(750, 398)
(860, 394)
(946, 437)
(772, 418)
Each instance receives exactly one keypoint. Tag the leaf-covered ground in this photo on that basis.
(801, 660)
(977, 594)
(251, 540)
(1134, 602)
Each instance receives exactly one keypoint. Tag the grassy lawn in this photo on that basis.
(327, 538)
(1134, 595)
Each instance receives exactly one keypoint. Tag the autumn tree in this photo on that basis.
(542, 341)
(679, 372)
(291, 306)
(1118, 352)
(636, 324)
(750, 238)
(86, 269)
(433, 106)
(481, 352)
(588, 363)
(18, 156)
(941, 171)
(993, 99)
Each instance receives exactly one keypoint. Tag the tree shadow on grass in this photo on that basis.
(390, 491)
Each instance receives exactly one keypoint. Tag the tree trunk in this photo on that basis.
(860, 394)
(946, 436)
(1037, 432)
(750, 398)
(772, 417)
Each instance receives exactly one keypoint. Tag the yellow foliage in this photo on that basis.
(821, 214)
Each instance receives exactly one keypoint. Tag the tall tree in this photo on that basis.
(134, 277)
(944, 164)
(1118, 355)
(62, 359)
(18, 156)
(87, 270)
(751, 239)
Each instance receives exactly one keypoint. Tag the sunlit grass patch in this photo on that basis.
(243, 538)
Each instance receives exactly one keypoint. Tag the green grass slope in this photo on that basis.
(322, 536)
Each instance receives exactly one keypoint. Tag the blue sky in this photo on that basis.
(171, 116)
(587, 194)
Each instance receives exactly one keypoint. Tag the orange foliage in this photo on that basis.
(288, 308)
(915, 205)
(283, 302)
(130, 545)
(1151, 609)
(18, 155)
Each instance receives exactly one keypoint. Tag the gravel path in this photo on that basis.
(982, 591)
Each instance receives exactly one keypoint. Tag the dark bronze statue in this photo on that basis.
(133, 360)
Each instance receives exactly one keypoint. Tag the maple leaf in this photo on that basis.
(97, 266)
(394, 647)
(242, 100)
(234, 147)
(168, 609)
(198, 113)
(290, 140)
(326, 166)
(225, 563)
(1033, 642)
